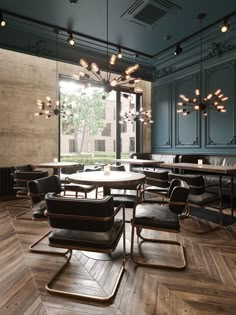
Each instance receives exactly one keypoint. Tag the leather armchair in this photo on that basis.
(150, 215)
(87, 225)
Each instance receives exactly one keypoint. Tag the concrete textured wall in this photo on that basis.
(25, 138)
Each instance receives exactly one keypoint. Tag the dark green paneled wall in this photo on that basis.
(216, 133)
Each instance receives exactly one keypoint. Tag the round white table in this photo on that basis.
(114, 179)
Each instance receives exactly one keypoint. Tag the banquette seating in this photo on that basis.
(165, 157)
(212, 181)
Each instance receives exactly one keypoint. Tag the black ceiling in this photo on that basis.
(146, 30)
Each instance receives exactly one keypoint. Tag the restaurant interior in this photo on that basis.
(118, 206)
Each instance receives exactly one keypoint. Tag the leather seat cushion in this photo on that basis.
(151, 215)
(203, 199)
(128, 200)
(87, 239)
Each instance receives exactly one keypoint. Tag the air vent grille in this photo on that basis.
(150, 12)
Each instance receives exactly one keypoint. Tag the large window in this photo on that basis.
(90, 130)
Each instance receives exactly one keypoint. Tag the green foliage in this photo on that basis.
(91, 158)
(87, 111)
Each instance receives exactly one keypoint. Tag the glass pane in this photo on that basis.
(88, 131)
(128, 127)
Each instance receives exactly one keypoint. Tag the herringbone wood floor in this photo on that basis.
(207, 286)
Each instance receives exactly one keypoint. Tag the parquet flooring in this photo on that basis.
(206, 286)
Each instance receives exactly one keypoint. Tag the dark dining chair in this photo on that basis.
(199, 197)
(156, 184)
(21, 176)
(86, 225)
(127, 194)
(73, 187)
(38, 189)
(150, 215)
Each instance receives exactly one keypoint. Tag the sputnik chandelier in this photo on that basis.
(144, 117)
(47, 108)
(213, 101)
(93, 73)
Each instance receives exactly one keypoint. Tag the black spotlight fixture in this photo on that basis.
(71, 40)
(178, 50)
(225, 27)
(3, 23)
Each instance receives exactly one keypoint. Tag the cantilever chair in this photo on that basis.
(21, 178)
(86, 225)
(77, 188)
(199, 197)
(127, 194)
(37, 190)
(150, 215)
(156, 184)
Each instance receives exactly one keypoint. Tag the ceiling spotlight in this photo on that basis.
(119, 55)
(70, 39)
(225, 27)
(178, 50)
(2, 21)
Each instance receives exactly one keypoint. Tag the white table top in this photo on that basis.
(138, 161)
(115, 178)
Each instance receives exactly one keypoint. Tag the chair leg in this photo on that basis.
(208, 230)
(90, 298)
(41, 251)
(144, 264)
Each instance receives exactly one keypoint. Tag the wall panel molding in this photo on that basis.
(162, 116)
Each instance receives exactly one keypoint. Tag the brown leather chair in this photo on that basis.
(150, 215)
(87, 225)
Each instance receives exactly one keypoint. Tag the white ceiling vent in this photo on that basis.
(150, 12)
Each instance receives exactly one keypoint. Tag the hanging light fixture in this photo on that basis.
(46, 107)
(213, 101)
(93, 74)
(143, 116)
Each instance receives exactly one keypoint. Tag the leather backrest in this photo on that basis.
(117, 168)
(229, 161)
(43, 186)
(21, 177)
(59, 208)
(178, 198)
(24, 168)
(215, 159)
(72, 169)
(159, 179)
(196, 183)
(142, 156)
